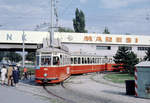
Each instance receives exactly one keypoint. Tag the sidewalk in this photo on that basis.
(9, 94)
(12, 95)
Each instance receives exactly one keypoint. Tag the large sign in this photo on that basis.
(108, 39)
(36, 37)
(103, 38)
(33, 37)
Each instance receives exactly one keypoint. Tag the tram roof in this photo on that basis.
(52, 50)
(85, 55)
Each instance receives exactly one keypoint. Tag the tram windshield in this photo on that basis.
(45, 60)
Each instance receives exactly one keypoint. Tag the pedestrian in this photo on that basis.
(9, 75)
(3, 74)
(15, 75)
(30, 74)
(25, 73)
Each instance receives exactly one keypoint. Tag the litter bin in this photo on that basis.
(130, 87)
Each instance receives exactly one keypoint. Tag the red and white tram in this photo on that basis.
(53, 65)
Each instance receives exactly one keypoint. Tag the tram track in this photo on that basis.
(66, 100)
(67, 93)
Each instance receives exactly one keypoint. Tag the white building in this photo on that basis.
(104, 44)
(100, 44)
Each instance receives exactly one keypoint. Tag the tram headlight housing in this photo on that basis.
(45, 74)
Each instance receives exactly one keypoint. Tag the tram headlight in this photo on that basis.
(45, 74)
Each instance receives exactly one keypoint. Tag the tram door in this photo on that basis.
(56, 65)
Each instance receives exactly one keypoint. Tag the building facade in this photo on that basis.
(86, 43)
(104, 44)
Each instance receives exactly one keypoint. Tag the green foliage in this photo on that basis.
(79, 22)
(106, 31)
(62, 29)
(132, 61)
(147, 56)
(125, 60)
(30, 56)
(1, 55)
(13, 56)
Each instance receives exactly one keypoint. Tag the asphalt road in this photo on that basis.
(90, 88)
(83, 89)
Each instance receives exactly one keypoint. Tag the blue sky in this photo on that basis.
(120, 16)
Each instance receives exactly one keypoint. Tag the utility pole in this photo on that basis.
(23, 49)
(51, 30)
(51, 26)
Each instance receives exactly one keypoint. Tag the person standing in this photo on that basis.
(25, 73)
(15, 75)
(3, 74)
(9, 75)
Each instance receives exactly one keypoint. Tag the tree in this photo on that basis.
(121, 58)
(106, 31)
(132, 61)
(1, 55)
(31, 56)
(147, 56)
(125, 59)
(14, 57)
(62, 29)
(79, 22)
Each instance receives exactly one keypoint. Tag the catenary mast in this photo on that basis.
(51, 26)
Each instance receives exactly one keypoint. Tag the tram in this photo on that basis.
(52, 65)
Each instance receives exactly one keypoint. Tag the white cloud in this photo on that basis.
(114, 4)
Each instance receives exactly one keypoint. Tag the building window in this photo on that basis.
(103, 47)
(128, 47)
(143, 48)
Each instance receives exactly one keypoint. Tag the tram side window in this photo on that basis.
(82, 60)
(45, 60)
(88, 60)
(37, 60)
(71, 60)
(75, 60)
(56, 60)
(103, 61)
(85, 60)
(61, 60)
(79, 62)
(99, 60)
(93, 60)
(96, 60)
